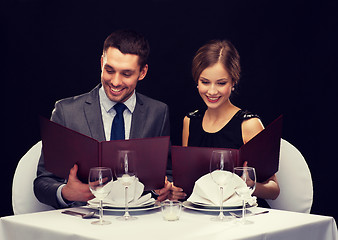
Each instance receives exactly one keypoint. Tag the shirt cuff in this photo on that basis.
(59, 197)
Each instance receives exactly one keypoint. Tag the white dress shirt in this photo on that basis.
(108, 113)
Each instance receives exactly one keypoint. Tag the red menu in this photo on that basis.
(261, 152)
(63, 147)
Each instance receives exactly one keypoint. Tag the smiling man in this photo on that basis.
(123, 64)
(121, 69)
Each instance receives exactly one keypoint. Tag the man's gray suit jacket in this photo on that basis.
(83, 114)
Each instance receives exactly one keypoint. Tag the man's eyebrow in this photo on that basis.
(108, 66)
(128, 71)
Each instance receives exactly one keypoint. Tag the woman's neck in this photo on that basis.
(216, 118)
(222, 111)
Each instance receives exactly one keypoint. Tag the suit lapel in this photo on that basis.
(138, 119)
(93, 115)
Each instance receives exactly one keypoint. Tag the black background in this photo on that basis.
(52, 50)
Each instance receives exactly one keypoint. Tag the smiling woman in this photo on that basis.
(216, 71)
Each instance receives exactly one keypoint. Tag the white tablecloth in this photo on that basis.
(150, 225)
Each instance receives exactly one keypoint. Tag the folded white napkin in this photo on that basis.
(207, 192)
(117, 195)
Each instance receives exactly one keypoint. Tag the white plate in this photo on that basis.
(109, 205)
(205, 205)
(190, 205)
(146, 207)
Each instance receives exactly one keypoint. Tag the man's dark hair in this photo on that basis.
(128, 42)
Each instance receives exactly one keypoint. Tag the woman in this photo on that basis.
(216, 71)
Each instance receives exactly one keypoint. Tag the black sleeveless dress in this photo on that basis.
(230, 136)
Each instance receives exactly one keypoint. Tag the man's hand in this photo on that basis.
(75, 190)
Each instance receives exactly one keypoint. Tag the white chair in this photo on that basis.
(23, 198)
(295, 182)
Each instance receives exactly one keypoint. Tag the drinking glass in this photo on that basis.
(98, 178)
(221, 166)
(126, 173)
(171, 210)
(248, 175)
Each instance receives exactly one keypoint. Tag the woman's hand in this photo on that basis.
(164, 192)
(176, 193)
(266, 190)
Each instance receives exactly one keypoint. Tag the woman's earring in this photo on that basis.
(233, 89)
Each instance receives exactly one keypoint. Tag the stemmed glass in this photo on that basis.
(221, 166)
(98, 179)
(248, 175)
(126, 173)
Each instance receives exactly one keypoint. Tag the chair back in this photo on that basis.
(23, 198)
(294, 179)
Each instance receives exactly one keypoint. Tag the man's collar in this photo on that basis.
(108, 104)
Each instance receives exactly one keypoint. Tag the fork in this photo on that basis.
(253, 214)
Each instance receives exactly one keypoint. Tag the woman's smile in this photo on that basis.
(213, 99)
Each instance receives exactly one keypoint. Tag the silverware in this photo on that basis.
(248, 215)
(83, 215)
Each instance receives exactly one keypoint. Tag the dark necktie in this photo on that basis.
(117, 128)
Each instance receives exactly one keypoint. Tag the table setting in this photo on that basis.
(223, 189)
(124, 194)
(221, 206)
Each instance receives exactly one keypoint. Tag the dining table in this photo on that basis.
(150, 224)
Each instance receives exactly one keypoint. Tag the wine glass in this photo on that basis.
(248, 175)
(126, 173)
(98, 179)
(221, 166)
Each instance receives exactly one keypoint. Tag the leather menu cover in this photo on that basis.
(63, 147)
(151, 158)
(261, 152)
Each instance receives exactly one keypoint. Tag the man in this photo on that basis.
(123, 64)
